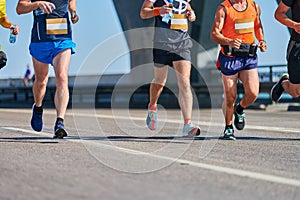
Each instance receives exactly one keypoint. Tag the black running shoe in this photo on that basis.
(228, 134)
(277, 89)
(239, 120)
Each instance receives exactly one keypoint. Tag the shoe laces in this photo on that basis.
(241, 117)
(189, 126)
(228, 131)
(59, 125)
(152, 114)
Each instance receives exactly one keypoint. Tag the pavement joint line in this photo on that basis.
(227, 170)
(250, 127)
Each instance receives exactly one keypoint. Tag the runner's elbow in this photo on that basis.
(213, 36)
(19, 11)
(143, 15)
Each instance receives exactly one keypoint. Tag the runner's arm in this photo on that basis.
(259, 33)
(190, 13)
(26, 6)
(72, 10)
(7, 24)
(216, 32)
(147, 10)
(280, 15)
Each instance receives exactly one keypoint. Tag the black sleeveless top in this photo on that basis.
(57, 28)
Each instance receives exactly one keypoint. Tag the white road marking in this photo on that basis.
(227, 170)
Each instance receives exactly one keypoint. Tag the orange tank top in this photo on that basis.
(240, 24)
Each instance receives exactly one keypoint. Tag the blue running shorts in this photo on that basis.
(46, 51)
(232, 65)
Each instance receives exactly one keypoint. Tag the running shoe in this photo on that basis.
(60, 131)
(151, 120)
(190, 130)
(36, 119)
(228, 134)
(239, 120)
(277, 89)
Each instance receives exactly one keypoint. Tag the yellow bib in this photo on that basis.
(179, 22)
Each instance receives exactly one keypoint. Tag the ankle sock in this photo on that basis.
(38, 109)
(229, 126)
(59, 120)
(152, 108)
(187, 120)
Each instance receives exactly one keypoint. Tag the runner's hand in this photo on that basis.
(74, 17)
(191, 15)
(297, 27)
(16, 30)
(262, 45)
(236, 43)
(165, 10)
(46, 6)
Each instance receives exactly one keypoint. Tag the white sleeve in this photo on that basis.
(153, 1)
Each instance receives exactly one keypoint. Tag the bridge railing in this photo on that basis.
(14, 94)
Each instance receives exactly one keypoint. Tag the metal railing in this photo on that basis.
(18, 95)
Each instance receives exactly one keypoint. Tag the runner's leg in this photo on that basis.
(61, 64)
(158, 83)
(185, 98)
(230, 91)
(250, 81)
(41, 80)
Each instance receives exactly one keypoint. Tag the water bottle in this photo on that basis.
(171, 4)
(39, 11)
(12, 37)
(166, 18)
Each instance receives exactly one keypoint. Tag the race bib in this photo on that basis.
(179, 22)
(244, 26)
(56, 26)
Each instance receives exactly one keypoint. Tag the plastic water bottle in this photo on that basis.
(171, 3)
(12, 37)
(39, 11)
(166, 18)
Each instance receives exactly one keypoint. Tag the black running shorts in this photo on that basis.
(167, 53)
(293, 57)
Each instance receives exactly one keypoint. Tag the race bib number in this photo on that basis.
(179, 22)
(56, 26)
(244, 26)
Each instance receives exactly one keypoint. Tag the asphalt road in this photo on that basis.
(110, 154)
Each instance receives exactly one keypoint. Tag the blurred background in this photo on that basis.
(117, 23)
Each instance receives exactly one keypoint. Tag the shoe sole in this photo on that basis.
(286, 78)
(272, 92)
(151, 124)
(35, 129)
(60, 134)
(195, 132)
(229, 138)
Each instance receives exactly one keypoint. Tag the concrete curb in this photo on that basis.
(283, 107)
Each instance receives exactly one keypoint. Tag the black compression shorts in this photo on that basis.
(167, 53)
(293, 57)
